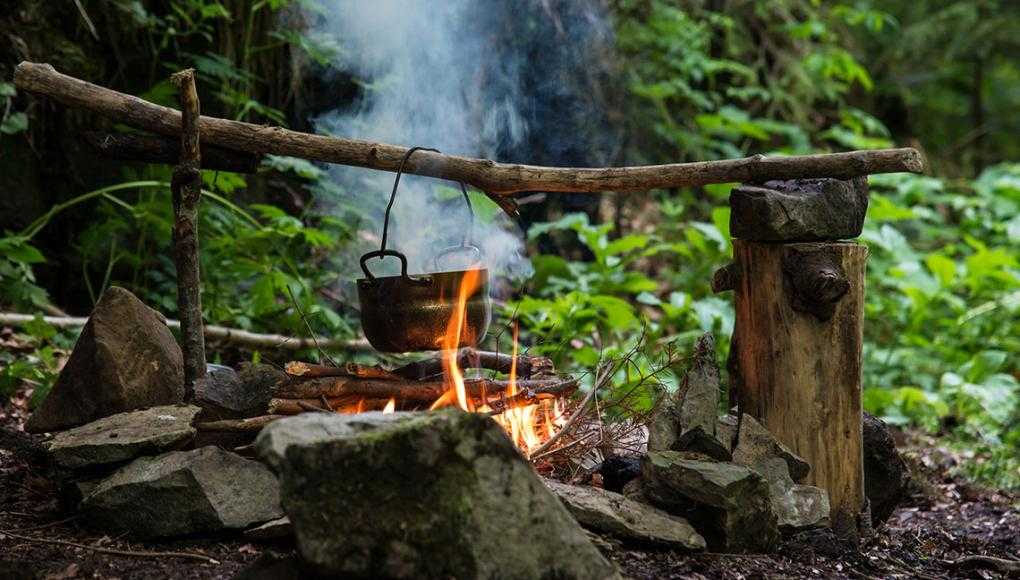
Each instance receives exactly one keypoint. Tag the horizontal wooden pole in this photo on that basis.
(159, 149)
(499, 179)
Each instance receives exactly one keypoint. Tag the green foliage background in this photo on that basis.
(697, 80)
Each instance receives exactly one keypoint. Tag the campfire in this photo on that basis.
(522, 393)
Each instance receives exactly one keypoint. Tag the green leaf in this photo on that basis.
(943, 268)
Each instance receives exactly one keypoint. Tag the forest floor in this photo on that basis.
(946, 519)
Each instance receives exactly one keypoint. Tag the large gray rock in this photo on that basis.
(125, 359)
(611, 513)
(695, 404)
(885, 474)
(799, 210)
(728, 503)
(415, 495)
(124, 436)
(184, 492)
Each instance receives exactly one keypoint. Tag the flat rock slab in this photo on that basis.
(185, 492)
(421, 495)
(728, 503)
(124, 436)
(271, 530)
(611, 513)
(799, 210)
(125, 359)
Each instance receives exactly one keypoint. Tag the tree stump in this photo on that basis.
(796, 359)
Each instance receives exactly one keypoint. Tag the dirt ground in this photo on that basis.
(946, 519)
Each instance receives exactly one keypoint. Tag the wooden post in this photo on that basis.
(797, 359)
(186, 186)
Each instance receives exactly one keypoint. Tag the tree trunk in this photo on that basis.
(797, 354)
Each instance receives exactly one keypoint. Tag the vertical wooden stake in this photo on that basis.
(186, 187)
(797, 354)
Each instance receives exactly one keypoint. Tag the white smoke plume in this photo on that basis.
(436, 75)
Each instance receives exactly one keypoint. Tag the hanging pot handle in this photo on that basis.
(466, 244)
(382, 254)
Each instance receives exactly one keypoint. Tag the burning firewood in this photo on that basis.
(420, 391)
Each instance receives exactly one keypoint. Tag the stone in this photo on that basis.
(799, 210)
(729, 504)
(124, 436)
(801, 507)
(185, 492)
(421, 494)
(697, 441)
(611, 513)
(228, 394)
(618, 470)
(695, 403)
(886, 476)
(698, 395)
(757, 444)
(125, 359)
(271, 530)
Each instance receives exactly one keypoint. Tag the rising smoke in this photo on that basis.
(499, 79)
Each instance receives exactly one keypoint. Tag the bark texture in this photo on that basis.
(799, 374)
(186, 187)
(498, 179)
(159, 149)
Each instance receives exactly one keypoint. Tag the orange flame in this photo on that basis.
(454, 380)
(391, 405)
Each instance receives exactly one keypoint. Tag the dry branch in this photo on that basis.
(159, 149)
(422, 391)
(213, 333)
(251, 424)
(469, 358)
(112, 551)
(498, 179)
(303, 370)
(186, 187)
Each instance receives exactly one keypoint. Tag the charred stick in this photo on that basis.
(498, 180)
(159, 149)
(423, 391)
(301, 370)
(238, 425)
(282, 406)
(468, 358)
(186, 187)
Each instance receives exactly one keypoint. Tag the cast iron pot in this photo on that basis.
(412, 313)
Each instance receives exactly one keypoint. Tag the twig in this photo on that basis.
(218, 333)
(1009, 567)
(48, 525)
(238, 425)
(309, 327)
(602, 377)
(114, 552)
